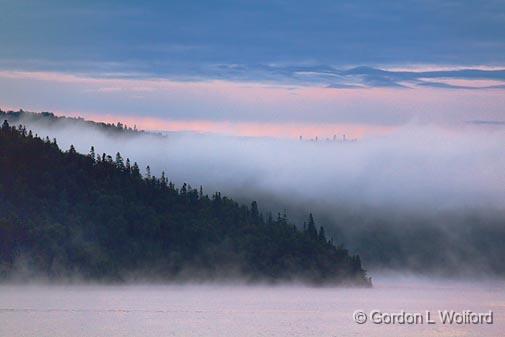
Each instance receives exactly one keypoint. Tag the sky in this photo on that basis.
(257, 68)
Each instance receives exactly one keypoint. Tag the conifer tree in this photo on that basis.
(72, 150)
(311, 228)
(163, 179)
(92, 153)
(136, 170)
(119, 161)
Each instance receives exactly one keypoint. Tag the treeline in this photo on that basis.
(98, 217)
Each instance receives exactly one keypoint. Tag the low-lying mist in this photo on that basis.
(422, 197)
(236, 310)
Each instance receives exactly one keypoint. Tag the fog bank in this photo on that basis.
(419, 192)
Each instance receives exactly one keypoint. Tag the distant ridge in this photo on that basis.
(48, 118)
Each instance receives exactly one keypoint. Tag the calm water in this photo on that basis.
(241, 311)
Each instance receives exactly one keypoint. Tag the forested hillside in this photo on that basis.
(64, 214)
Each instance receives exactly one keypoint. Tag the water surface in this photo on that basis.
(242, 311)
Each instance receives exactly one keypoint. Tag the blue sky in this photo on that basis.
(341, 45)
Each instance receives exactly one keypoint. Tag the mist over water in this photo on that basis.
(420, 197)
(245, 311)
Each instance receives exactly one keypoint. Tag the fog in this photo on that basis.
(236, 310)
(419, 196)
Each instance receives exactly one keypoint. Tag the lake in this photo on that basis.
(248, 311)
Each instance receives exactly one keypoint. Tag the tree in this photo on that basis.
(322, 235)
(163, 179)
(135, 170)
(311, 228)
(92, 153)
(254, 212)
(72, 150)
(119, 161)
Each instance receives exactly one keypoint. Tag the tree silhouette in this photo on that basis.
(119, 161)
(92, 153)
(311, 228)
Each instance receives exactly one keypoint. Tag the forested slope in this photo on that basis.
(64, 214)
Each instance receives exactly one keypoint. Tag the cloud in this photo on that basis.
(350, 100)
(358, 77)
(472, 77)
